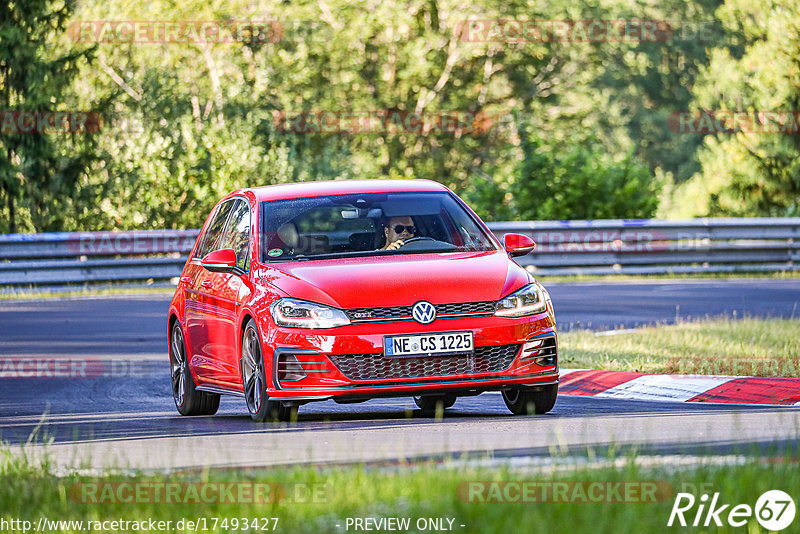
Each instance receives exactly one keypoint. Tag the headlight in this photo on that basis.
(302, 314)
(526, 301)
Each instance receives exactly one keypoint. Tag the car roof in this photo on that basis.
(342, 187)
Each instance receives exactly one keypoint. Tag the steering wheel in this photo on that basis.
(425, 243)
(417, 238)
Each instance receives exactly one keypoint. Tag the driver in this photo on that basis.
(397, 230)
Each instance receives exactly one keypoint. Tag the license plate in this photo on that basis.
(452, 343)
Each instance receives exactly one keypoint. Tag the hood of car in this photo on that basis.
(400, 280)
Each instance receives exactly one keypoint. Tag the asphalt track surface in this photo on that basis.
(134, 325)
(127, 418)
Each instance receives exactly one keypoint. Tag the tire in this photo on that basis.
(430, 403)
(254, 381)
(531, 401)
(188, 399)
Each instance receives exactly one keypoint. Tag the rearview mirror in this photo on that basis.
(221, 261)
(518, 244)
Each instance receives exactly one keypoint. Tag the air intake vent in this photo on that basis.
(289, 369)
(542, 351)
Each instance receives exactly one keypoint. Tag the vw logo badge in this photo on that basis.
(423, 312)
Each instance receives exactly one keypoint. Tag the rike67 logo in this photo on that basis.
(774, 510)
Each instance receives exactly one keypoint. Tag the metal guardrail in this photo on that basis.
(655, 246)
(625, 246)
(55, 259)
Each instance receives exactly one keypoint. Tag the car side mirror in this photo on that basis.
(221, 261)
(518, 244)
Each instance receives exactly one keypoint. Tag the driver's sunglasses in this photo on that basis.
(398, 229)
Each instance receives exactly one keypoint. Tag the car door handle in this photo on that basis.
(186, 280)
(206, 284)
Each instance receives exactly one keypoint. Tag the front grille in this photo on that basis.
(378, 313)
(404, 312)
(376, 367)
(465, 307)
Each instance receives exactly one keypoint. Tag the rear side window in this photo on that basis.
(215, 229)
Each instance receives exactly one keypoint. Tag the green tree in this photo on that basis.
(579, 181)
(753, 172)
(647, 80)
(38, 171)
(190, 121)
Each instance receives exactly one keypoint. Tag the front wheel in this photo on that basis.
(255, 384)
(531, 401)
(430, 403)
(188, 399)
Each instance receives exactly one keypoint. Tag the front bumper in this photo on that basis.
(347, 363)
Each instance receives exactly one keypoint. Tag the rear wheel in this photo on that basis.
(188, 399)
(430, 403)
(531, 401)
(255, 384)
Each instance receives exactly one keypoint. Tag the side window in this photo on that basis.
(215, 229)
(237, 234)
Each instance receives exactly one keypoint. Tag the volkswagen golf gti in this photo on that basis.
(353, 290)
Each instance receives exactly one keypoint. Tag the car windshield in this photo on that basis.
(363, 224)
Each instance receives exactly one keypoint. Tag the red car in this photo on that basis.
(352, 290)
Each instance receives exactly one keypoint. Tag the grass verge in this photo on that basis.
(316, 501)
(33, 294)
(746, 347)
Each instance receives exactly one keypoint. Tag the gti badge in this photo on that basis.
(423, 312)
